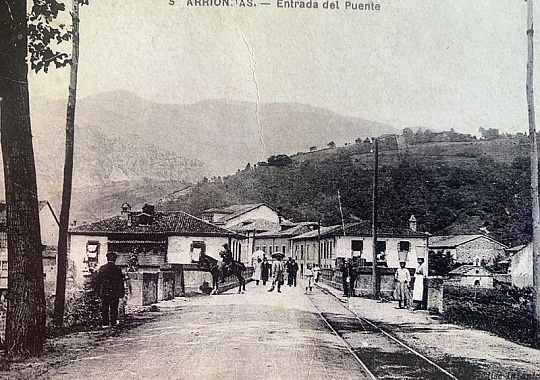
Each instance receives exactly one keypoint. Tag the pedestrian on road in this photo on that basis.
(420, 285)
(109, 285)
(257, 270)
(308, 275)
(278, 269)
(292, 270)
(265, 270)
(316, 273)
(347, 277)
(402, 279)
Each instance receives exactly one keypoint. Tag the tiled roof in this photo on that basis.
(465, 269)
(516, 249)
(259, 225)
(361, 229)
(232, 211)
(164, 223)
(455, 240)
(297, 229)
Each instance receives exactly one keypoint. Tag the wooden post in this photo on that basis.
(319, 243)
(375, 272)
(534, 171)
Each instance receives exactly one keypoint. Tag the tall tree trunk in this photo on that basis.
(68, 174)
(534, 170)
(25, 323)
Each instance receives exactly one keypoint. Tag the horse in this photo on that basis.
(235, 268)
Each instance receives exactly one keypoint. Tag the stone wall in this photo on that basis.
(142, 288)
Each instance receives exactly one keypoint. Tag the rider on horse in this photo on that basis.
(226, 260)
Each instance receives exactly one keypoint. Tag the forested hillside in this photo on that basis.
(467, 186)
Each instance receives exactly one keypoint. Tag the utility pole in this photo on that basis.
(319, 243)
(534, 171)
(375, 272)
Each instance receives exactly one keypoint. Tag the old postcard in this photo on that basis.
(348, 179)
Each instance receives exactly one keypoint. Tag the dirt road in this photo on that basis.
(231, 336)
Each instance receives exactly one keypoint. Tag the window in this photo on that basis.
(196, 248)
(380, 246)
(264, 248)
(3, 240)
(283, 249)
(3, 269)
(357, 245)
(404, 246)
(92, 250)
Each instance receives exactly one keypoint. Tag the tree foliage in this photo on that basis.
(449, 188)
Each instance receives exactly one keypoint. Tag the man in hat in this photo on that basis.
(109, 285)
(402, 277)
(226, 260)
(292, 270)
(278, 270)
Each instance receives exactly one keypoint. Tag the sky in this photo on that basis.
(417, 63)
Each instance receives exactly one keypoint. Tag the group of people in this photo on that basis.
(109, 282)
(402, 279)
(278, 269)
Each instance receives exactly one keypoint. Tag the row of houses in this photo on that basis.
(147, 239)
(157, 238)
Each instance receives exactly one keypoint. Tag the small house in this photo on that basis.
(468, 249)
(147, 240)
(472, 275)
(521, 265)
(230, 216)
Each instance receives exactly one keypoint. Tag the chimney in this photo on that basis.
(412, 223)
(126, 210)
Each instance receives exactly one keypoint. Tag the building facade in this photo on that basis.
(469, 249)
(355, 241)
(145, 241)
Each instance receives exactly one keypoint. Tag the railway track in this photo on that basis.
(379, 353)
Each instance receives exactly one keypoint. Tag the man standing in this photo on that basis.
(402, 277)
(277, 269)
(265, 270)
(110, 288)
(292, 270)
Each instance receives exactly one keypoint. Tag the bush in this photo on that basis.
(505, 311)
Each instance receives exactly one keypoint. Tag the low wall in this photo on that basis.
(364, 280)
(166, 285)
(142, 288)
(174, 280)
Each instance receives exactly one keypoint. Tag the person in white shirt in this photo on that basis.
(308, 275)
(402, 278)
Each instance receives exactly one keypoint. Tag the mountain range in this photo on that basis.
(123, 139)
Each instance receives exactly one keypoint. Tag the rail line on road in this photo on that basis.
(379, 353)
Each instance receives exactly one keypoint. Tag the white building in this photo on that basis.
(234, 215)
(393, 245)
(153, 238)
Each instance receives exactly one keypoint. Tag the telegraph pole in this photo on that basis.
(319, 244)
(534, 172)
(374, 272)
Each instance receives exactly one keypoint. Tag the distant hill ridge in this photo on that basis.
(451, 187)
